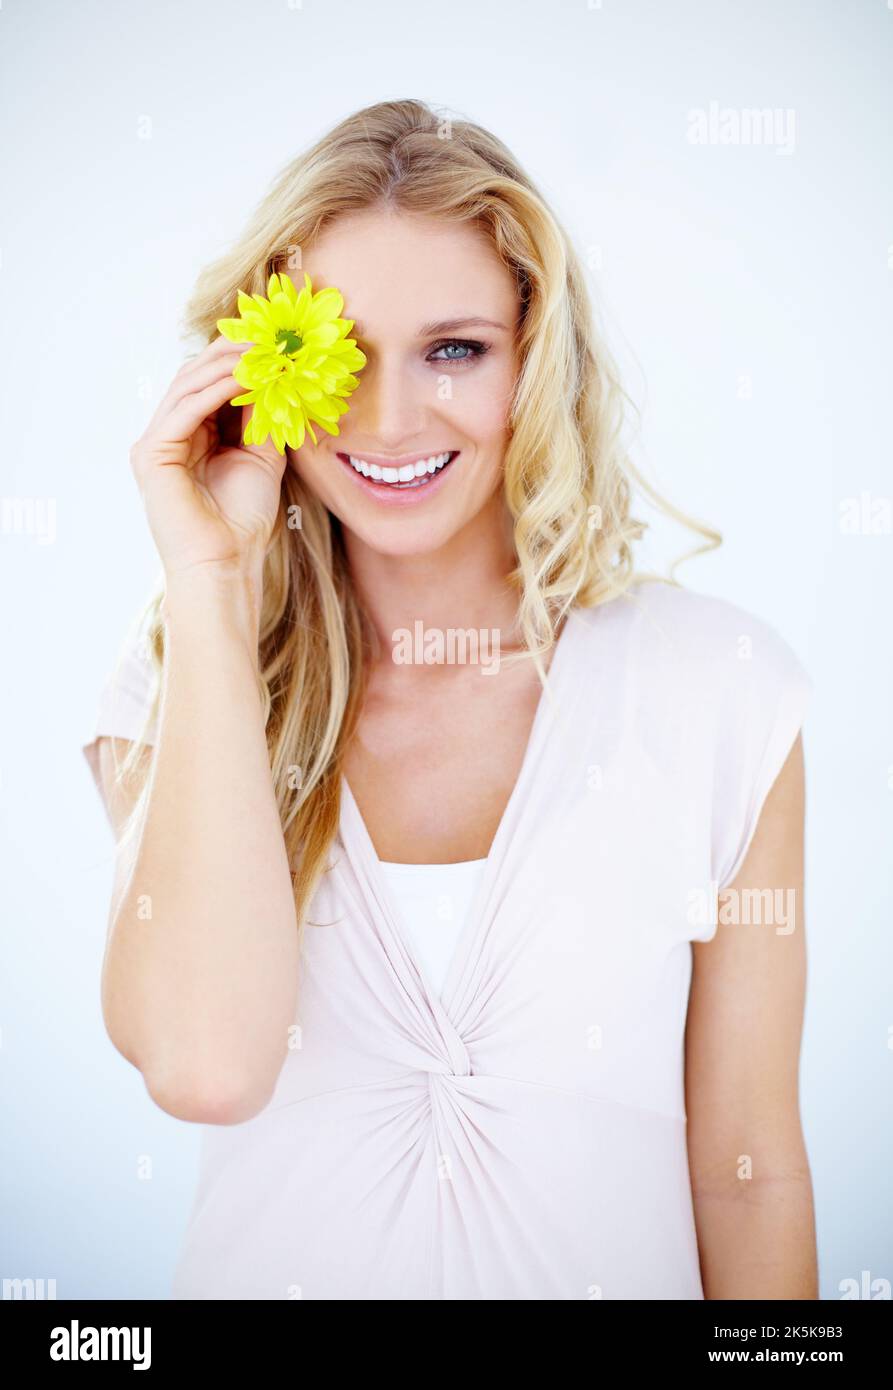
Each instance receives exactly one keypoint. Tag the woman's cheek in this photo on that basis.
(480, 409)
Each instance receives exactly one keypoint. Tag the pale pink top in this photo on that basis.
(522, 1136)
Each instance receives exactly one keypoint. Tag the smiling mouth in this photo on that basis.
(409, 475)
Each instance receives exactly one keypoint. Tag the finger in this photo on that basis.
(217, 349)
(201, 376)
(217, 345)
(182, 422)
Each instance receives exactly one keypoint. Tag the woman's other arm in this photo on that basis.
(750, 1177)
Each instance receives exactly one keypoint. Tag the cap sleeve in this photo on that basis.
(124, 701)
(765, 698)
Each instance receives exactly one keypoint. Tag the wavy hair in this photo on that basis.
(567, 475)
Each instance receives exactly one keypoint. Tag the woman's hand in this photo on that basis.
(207, 504)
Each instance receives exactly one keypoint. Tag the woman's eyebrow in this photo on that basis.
(450, 325)
(428, 330)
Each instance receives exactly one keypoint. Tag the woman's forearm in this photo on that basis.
(200, 976)
(758, 1240)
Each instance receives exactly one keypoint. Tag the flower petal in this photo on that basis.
(327, 304)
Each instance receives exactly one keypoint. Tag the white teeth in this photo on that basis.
(407, 473)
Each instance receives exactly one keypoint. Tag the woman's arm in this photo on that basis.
(200, 972)
(750, 1175)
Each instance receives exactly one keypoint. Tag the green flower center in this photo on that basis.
(292, 340)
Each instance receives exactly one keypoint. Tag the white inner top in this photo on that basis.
(433, 902)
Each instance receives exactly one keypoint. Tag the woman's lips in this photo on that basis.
(405, 490)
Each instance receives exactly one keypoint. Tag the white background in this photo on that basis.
(712, 264)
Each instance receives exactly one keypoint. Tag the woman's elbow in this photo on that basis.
(209, 1100)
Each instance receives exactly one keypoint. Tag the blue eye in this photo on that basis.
(469, 351)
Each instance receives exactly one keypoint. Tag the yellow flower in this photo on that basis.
(300, 367)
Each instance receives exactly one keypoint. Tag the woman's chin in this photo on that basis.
(400, 537)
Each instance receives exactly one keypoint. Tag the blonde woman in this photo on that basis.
(453, 960)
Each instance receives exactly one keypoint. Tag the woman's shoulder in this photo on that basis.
(670, 630)
(712, 693)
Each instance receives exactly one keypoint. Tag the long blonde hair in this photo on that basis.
(568, 477)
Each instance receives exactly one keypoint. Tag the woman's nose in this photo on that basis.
(388, 405)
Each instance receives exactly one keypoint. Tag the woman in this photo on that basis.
(435, 959)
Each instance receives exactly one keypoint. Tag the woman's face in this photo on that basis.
(435, 312)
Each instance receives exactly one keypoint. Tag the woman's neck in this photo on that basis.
(461, 585)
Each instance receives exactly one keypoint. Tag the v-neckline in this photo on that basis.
(351, 817)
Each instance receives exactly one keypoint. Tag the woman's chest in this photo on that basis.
(434, 761)
(571, 969)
